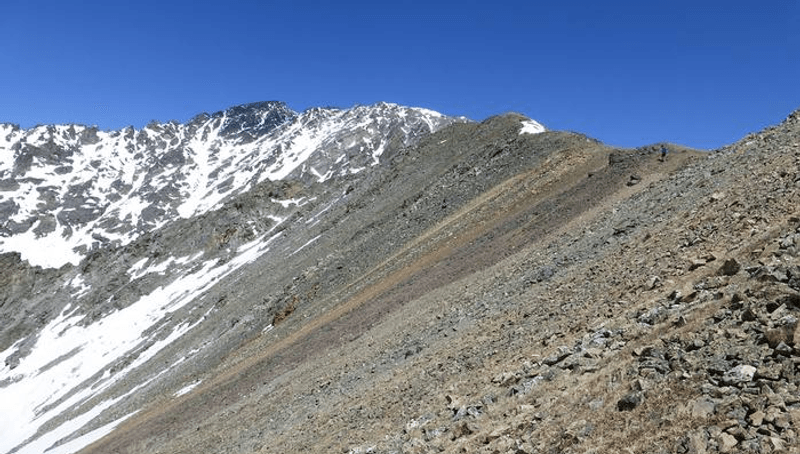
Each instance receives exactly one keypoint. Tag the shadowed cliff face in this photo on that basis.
(483, 289)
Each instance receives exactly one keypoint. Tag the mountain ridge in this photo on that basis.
(483, 289)
(163, 269)
(134, 179)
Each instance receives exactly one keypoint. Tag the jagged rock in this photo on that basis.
(634, 180)
(463, 429)
(729, 268)
(756, 418)
(696, 263)
(653, 282)
(748, 315)
(563, 352)
(739, 374)
(777, 444)
(629, 402)
(769, 274)
(702, 408)
(777, 336)
(726, 442)
(783, 349)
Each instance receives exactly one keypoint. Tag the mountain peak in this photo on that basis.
(78, 189)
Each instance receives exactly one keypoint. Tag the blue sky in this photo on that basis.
(628, 73)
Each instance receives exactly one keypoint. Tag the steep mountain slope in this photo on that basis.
(490, 287)
(223, 190)
(579, 299)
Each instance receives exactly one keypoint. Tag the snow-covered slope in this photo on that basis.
(189, 238)
(144, 211)
(66, 190)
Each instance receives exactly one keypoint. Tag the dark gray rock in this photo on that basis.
(563, 352)
(629, 402)
(730, 267)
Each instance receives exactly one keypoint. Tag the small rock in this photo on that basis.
(653, 282)
(776, 336)
(776, 400)
(772, 414)
(794, 416)
(453, 402)
(738, 432)
(749, 316)
(739, 374)
(462, 430)
(782, 421)
(593, 352)
(525, 448)
(695, 442)
(578, 430)
(556, 358)
(702, 408)
(526, 408)
(783, 349)
(726, 442)
(506, 379)
(729, 268)
(696, 263)
(769, 274)
(497, 433)
(769, 371)
(756, 419)
(629, 402)
(777, 444)
(416, 446)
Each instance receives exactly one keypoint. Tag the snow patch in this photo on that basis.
(83, 441)
(187, 388)
(70, 363)
(50, 251)
(80, 287)
(304, 246)
(288, 202)
(531, 127)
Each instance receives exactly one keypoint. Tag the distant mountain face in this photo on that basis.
(66, 190)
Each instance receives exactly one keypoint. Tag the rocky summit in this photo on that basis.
(386, 279)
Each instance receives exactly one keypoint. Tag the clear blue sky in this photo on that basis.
(702, 73)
